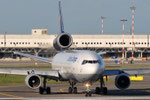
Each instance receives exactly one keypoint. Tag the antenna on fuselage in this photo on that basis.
(61, 19)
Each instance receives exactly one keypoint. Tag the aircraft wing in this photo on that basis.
(127, 71)
(35, 57)
(21, 71)
(137, 71)
(112, 72)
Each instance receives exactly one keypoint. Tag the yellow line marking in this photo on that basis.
(9, 95)
(9, 86)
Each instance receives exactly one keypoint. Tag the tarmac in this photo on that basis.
(137, 90)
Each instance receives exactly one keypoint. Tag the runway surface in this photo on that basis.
(137, 90)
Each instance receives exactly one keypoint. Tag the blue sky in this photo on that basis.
(80, 16)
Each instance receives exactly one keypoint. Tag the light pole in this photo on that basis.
(123, 21)
(102, 30)
(133, 10)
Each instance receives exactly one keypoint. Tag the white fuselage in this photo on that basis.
(80, 66)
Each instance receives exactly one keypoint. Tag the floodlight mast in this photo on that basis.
(133, 10)
(102, 30)
(123, 21)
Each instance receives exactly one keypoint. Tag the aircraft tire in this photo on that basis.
(75, 90)
(48, 90)
(41, 90)
(70, 90)
(88, 94)
(97, 90)
(105, 91)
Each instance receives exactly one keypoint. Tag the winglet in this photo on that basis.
(61, 19)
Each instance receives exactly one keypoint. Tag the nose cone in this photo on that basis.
(92, 69)
(89, 73)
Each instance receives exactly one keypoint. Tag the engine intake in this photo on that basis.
(62, 41)
(33, 81)
(122, 81)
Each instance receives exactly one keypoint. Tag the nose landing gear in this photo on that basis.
(88, 94)
(88, 91)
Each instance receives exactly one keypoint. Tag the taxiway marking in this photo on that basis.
(9, 95)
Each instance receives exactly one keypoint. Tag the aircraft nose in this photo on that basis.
(94, 69)
(90, 72)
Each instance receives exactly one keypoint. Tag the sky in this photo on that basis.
(79, 16)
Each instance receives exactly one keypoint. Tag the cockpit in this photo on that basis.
(90, 62)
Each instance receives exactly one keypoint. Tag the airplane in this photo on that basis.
(74, 66)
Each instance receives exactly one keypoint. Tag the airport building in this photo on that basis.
(40, 43)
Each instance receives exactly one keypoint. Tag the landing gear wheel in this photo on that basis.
(104, 90)
(44, 89)
(70, 90)
(48, 90)
(75, 90)
(41, 90)
(88, 94)
(97, 90)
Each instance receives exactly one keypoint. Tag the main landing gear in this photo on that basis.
(102, 89)
(45, 89)
(72, 89)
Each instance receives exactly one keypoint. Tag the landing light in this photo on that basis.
(87, 84)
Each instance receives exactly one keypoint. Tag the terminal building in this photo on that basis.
(40, 43)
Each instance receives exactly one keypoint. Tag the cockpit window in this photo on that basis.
(90, 61)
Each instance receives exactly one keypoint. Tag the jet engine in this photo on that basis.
(63, 41)
(33, 81)
(122, 81)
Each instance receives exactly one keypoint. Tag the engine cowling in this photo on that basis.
(122, 81)
(62, 41)
(33, 81)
